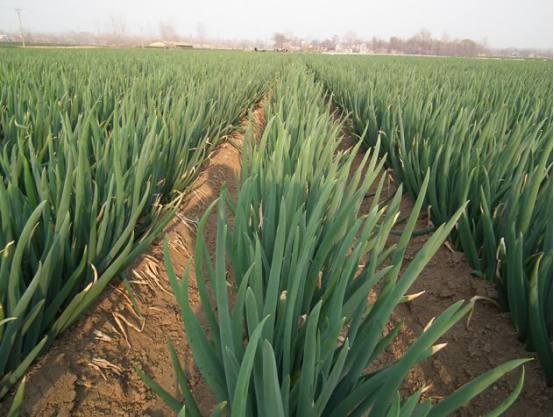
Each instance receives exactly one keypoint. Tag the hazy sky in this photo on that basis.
(501, 23)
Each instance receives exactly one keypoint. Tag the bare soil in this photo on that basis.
(89, 371)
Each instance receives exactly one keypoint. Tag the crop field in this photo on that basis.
(484, 135)
(319, 232)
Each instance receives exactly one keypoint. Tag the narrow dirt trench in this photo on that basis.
(89, 370)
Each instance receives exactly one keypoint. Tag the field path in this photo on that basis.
(489, 340)
(89, 370)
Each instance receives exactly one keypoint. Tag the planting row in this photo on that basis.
(483, 130)
(291, 330)
(96, 151)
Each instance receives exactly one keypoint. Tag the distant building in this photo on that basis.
(158, 44)
(167, 45)
(343, 48)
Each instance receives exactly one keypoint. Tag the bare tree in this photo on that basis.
(118, 30)
(421, 42)
(167, 30)
(279, 39)
(395, 44)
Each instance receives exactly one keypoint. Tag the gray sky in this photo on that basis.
(501, 23)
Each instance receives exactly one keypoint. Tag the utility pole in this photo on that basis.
(18, 11)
